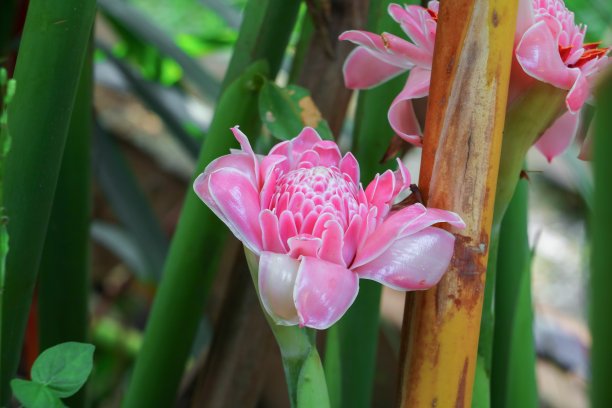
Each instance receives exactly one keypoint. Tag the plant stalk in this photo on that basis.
(303, 369)
(601, 225)
(63, 282)
(51, 54)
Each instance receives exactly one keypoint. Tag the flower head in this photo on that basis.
(549, 47)
(316, 231)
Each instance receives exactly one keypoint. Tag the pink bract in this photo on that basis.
(304, 212)
(549, 47)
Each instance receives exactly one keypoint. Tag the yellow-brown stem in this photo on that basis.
(461, 153)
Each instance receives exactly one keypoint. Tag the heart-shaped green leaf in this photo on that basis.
(64, 368)
(34, 395)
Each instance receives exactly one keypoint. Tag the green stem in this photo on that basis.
(513, 381)
(63, 282)
(303, 370)
(47, 72)
(192, 261)
(188, 271)
(526, 120)
(601, 225)
(350, 356)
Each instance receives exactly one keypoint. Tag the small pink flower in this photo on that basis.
(549, 47)
(316, 231)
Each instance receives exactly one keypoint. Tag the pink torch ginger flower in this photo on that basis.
(316, 231)
(549, 47)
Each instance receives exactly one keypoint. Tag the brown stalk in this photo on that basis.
(461, 153)
(322, 69)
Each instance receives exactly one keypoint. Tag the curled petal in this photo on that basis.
(246, 147)
(401, 114)
(364, 69)
(303, 245)
(557, 137)
(538, 54)
(414, 262)
(323, 292)
(399, 224)
(276, 281)
(235, 201)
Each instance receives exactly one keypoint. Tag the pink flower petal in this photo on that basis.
(417, 56)
(276, 281)
(399, 224)
(414, 262)
(538, 54)
(323, 292)
(578, 94)
(329, 154)
(293, 149)
(556, 138)
(238, 204)
(332, 243)
(375, 44)
(401, 114)
(270, 234)
(246, 147)
(363, 69)
(349, 166)
(524, 19)
(304, 245)
(410, 19)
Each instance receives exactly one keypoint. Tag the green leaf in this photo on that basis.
(34, 395)
(481, 386)
(64, 368)
(285, 111)
(312, 389)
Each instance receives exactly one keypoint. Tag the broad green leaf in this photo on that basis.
(285, 111)
(34, 395)
(64, 368)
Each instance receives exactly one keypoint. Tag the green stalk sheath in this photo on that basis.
(526, 120)
(53, 47)
(601, 225)
(189, 272)
(63, 281)
(187, 278)
(350, 357)
(513, 381)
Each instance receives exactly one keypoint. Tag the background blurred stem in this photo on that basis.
(513, 381)
(63, 281)
(601, 280)
(39, 120)
(189, 271)
(350, 356)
